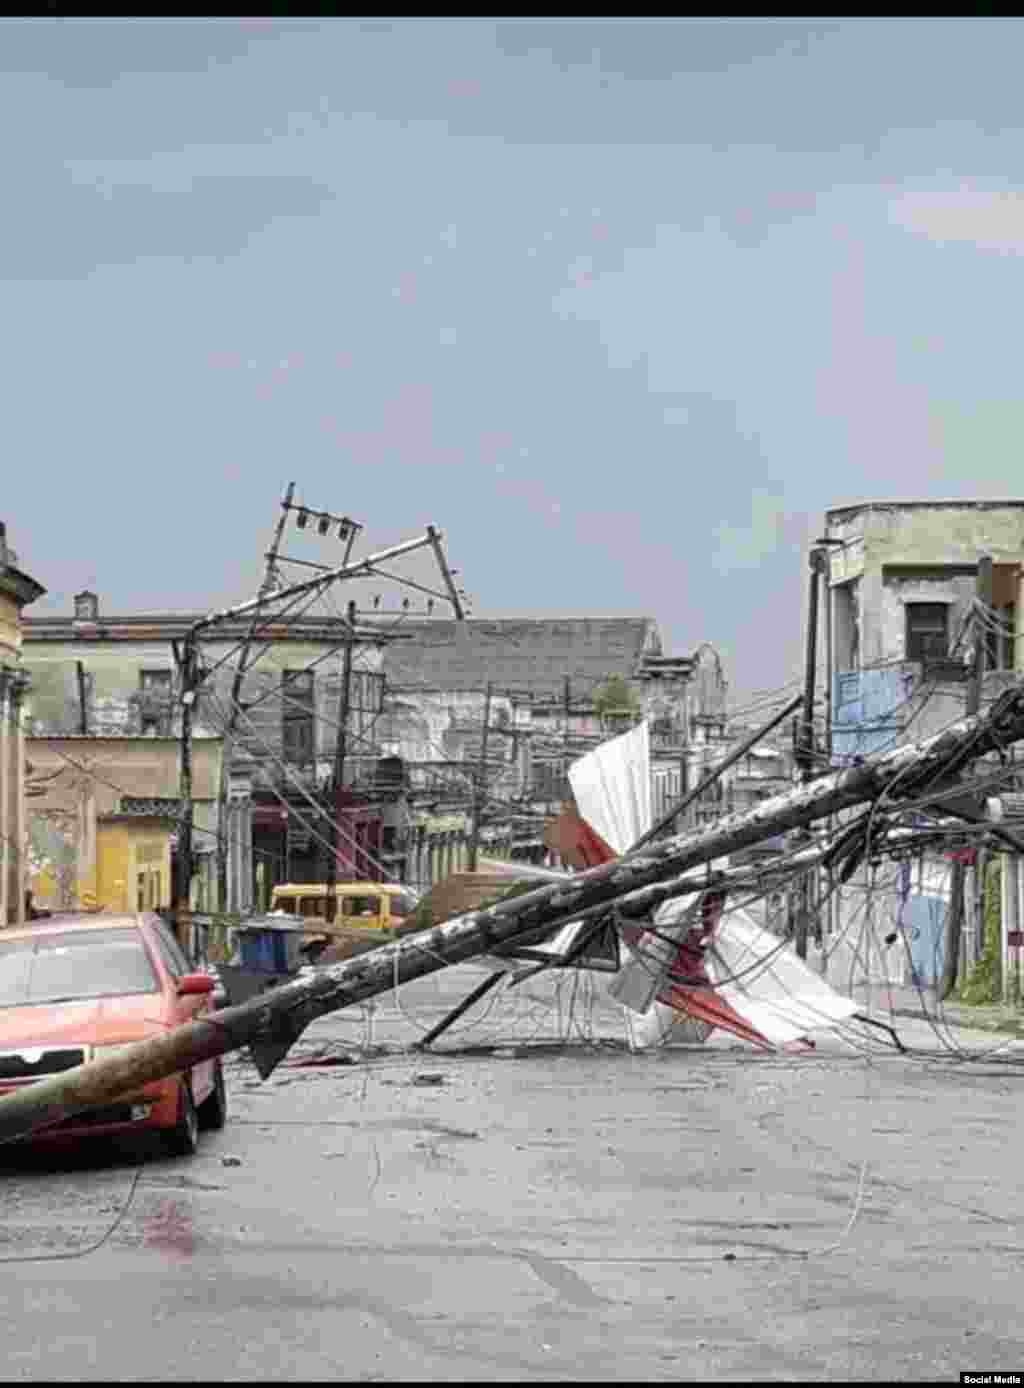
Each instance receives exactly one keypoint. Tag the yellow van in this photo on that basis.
(368, 905)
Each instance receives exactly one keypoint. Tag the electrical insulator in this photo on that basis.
(324, 524)
(302, 519)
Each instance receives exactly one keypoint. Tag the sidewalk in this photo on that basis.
(883, 998)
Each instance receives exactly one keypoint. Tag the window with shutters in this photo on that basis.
(155, 690)
(297, 716)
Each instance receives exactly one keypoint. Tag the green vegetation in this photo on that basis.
(615, 697)
(985, 982)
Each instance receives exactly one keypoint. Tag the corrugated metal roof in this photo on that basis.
(530, 655)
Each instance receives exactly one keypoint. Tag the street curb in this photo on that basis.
(1008, 1029)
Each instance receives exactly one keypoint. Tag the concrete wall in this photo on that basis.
(17, 590)
(10, 630)
(116, 706)
(82, 779)
(953, 532)
(892, 555)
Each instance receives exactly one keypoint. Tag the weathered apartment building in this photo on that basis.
(102, 820)
(901, 586)
(96, 676)
(901, 583)
(17, 591)
(413, 732)
(559, 686)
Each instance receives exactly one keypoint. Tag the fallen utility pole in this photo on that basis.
(271, 1023)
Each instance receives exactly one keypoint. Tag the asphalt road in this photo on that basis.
(564, 1211)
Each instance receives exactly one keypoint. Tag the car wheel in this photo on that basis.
(183, 1139)
(213, 1112)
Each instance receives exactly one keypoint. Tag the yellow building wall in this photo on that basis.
(133, 867)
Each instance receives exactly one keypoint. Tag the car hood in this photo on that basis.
(90, 1020)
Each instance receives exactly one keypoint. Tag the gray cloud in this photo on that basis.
(62, 230)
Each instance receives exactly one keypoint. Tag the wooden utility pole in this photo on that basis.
(975, 683)
(566, 710)
(480, 783)
(337, 780)
(83, 704)
(271, 1023)
(234, 706)
(805, 748)
(830, 897)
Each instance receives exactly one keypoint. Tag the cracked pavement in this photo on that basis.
(564, 1211)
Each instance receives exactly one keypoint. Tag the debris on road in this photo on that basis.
(272, 1022)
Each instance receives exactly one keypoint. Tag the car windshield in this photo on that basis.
(74, 965)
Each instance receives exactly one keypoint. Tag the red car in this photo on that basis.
(76, 987)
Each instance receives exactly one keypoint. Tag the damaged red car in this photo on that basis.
(74, 988)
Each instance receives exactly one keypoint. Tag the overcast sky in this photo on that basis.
(621, 306)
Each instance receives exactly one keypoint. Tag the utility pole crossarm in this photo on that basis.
(361, 567)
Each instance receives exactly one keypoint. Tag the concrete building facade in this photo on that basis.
(116, 676)
(901, 604)
(901, 584)
(17, 591)
(90, 800)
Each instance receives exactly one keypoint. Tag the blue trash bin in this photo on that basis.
(269, 947)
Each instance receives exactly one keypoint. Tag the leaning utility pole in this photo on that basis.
(479, 783)
(311, 587)
(337, 779)
(270, 581)
(955, 915)
(272, 1022)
